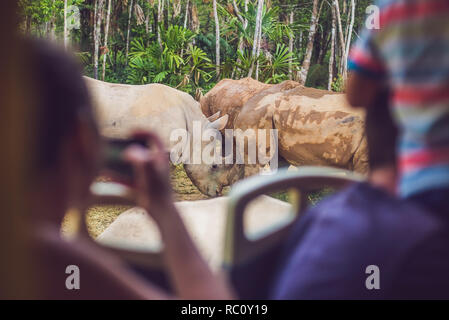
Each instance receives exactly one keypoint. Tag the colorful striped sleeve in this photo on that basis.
(364, 58)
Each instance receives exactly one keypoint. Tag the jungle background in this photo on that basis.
(192, 44)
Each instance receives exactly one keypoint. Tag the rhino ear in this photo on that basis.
(214, 116)
(220, 123)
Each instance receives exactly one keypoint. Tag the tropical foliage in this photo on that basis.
(174, 41)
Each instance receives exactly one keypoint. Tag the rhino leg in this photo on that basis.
(360, 161)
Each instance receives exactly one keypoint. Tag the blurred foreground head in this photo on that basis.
(66, 141)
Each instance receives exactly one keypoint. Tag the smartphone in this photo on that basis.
(114, 157)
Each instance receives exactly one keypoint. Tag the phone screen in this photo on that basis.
(114, 157)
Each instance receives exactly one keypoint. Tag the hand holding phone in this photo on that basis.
(114, 162)
(151, 175)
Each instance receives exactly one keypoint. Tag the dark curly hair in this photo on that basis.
(61, 98)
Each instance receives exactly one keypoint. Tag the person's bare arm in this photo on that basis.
(192, 277)
(191, 274)
(361, 91)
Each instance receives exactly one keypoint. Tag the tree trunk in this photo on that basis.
(348, 41)
(147, 21)
(168, 13)
(340, 32)
(194, 20)
(95, 40)
(51, 27)
(246, 11)
(160, 22)
(106, 33)
(309, 49)
(47, 29)
(66, 35)
(130, 13)
(217, 39)
(298, 72)
(348, 17)
(186, 16)
(237, 11)
(259, 39)
(97, 30)
(177, 5)
(323, 49)
(331, 57)
(290, 46)
(245, 24)
(256, 42)
(28, 25)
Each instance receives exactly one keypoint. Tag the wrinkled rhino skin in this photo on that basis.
(315, 127)
(229, 96)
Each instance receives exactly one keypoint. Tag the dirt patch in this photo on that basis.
(99, 218)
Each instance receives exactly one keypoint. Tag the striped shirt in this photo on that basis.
(410, 52)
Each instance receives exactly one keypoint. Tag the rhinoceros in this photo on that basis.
(314, 127)
(121, 108)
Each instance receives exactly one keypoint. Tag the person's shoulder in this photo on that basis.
(336, 240)
(363, 198)
(362, 210)
(422, 272)
(330, 247)
(350, 200)
(344, 215)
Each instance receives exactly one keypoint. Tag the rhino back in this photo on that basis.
(123, 108)
(229, 97)
(318, 131)
(315, 127)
